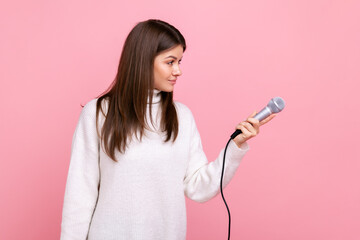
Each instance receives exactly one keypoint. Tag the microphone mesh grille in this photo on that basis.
(277, 104)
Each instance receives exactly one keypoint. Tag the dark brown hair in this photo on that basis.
(128, 95)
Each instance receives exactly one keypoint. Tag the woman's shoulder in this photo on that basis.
(89, 112)
(183, 110)
(90, 104)
(90, 107)
(181, 107)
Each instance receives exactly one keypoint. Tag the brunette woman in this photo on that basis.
(137, 153)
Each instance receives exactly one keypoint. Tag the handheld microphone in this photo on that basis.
(275, 105)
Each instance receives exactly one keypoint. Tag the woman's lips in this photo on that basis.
(172, 82)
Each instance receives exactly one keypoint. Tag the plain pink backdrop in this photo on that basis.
(301, 178)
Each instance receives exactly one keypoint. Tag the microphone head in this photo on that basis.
(276, 105)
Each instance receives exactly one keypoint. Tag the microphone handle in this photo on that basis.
(264, 113)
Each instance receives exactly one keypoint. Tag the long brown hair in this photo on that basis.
(132, 88)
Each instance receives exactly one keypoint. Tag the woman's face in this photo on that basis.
(167, 69)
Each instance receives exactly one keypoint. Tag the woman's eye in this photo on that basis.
(171, 63)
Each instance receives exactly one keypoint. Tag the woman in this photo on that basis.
(136, 152)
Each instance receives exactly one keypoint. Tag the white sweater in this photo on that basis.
(142, 195)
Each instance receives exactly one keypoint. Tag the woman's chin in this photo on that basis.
(166, 89)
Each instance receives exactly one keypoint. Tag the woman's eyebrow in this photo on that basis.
(171, 57)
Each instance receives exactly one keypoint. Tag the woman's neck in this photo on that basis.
(156, 98)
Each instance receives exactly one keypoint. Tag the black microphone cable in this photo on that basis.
(275, 105)
(221, 189)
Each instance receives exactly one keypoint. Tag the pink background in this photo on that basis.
(301, 178)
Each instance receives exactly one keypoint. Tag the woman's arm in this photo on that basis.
(202, 180)
(82, 184)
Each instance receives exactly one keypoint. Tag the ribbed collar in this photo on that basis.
(156, 96)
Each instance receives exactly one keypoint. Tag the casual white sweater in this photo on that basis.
(142, 196)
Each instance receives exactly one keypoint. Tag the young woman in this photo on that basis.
(136, 153)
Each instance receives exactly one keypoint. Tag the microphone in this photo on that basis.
(275, 105)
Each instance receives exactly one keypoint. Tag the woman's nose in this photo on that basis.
(177, 71)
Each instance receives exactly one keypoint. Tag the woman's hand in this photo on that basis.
(250, 128)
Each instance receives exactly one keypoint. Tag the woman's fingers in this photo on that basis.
(266, 120)
(248, 131)
(252, 115)
(255, 123)
(250, 128)
(243, 137)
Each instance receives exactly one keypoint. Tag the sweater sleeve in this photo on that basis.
(202, 179)
(82, 184)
